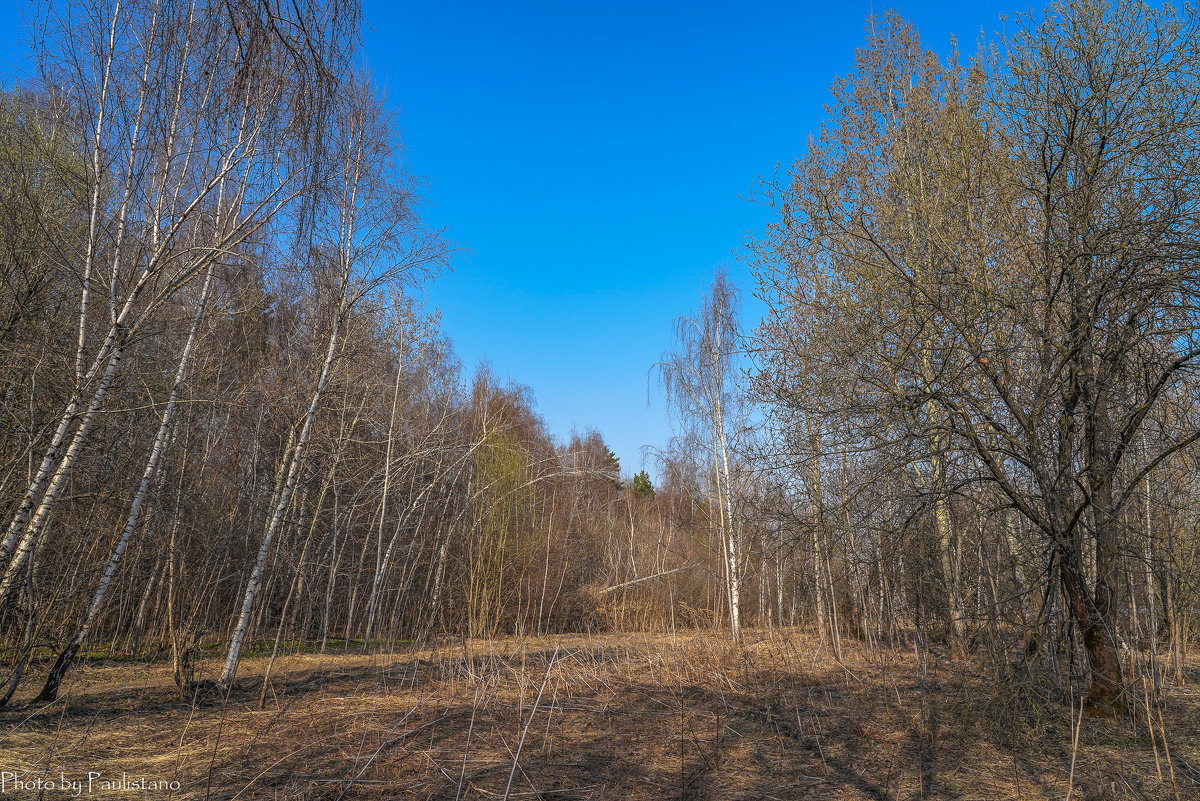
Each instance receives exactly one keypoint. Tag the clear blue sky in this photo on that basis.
(591, 159)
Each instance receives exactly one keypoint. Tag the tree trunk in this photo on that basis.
(1106, 690)
(67, 655)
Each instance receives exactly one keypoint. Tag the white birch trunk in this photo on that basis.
(276, 519)
(380, 560)
(67, 655)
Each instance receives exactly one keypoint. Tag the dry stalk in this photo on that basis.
(1166, 748)
(525, 731)
(1150, 728)
(1074, 745)
(467, 748)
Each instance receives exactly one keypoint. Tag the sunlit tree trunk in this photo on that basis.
(67, 655)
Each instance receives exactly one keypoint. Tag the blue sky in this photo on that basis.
(591, 160)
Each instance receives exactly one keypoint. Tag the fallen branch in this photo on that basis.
(639, 580)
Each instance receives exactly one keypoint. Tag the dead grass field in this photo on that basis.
(602, 717)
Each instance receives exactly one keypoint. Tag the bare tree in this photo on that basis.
(700, 378)
(367, 237)
(1002, 267)
(186, 132)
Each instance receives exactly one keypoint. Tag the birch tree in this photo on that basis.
(366, 236)
(700, 378)
(186, 131)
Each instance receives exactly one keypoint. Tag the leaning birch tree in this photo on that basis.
(365, 235)
(189, 115)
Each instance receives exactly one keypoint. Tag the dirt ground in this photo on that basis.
(603, 717)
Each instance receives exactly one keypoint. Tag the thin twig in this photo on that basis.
(525, 731)
(1074, 745)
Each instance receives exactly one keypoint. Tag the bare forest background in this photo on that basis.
(967, 421)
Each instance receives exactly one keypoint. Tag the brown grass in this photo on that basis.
(619, 717)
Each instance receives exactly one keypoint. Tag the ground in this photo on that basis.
(595, 717)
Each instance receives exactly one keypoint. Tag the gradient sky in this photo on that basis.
(592, 160)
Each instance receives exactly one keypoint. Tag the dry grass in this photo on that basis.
(612, 717)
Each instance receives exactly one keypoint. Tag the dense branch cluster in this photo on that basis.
(982, 285)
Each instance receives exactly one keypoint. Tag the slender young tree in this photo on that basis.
(367, 237)
(701, 380)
